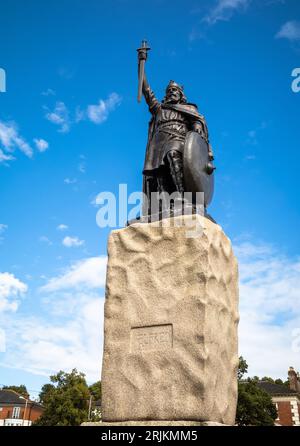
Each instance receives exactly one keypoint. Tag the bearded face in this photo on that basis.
(173, 95)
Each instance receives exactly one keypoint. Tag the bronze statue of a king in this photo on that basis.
(178, 155)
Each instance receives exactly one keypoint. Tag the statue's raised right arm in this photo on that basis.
(144, 87)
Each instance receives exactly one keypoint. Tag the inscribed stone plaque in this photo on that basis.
(156, 337)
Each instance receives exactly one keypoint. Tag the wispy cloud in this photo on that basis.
(73, 338)
(72, 332)
(66, 73)
(11, 289)
(70, 180)
(3, 228)
(269, 308)
(41, 144)
(88, 273)
(98, 113)
(252, 137)
(62, 227)
(48, 92)
(82, 167)
(71, 242)
(223, 10)
(11, 140)
(44, 239)
(290, 30)
(59, 116)
(5, 157)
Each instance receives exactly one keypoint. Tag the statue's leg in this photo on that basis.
(175, 162)
(150, 185)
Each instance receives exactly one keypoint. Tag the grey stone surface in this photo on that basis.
(152, 423)
(171, 316)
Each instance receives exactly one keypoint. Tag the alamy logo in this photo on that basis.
(296, 82)
(2, 81)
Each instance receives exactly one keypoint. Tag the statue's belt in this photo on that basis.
(165, 128)
(172, 132)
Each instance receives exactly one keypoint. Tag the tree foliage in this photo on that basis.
(243, 368)
(255, 406)
(95, 390)
(65, 400)
(21, 390)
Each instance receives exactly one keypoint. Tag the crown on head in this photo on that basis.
(174, 84)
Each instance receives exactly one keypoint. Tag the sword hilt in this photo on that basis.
(142, 51)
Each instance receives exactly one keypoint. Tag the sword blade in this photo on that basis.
(141, 79)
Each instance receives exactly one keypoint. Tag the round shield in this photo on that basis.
(197, 168)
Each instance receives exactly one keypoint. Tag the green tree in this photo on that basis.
(268, 379)
(21, 390)
(243, 368)
(255, 406)
(45, 393)
(283, 383)
(65, 400)
(279, 381)
(95, 390)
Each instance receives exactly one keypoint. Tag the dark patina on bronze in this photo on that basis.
(178, 156)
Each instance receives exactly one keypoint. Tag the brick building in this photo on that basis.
(16, 410)
(286, 399)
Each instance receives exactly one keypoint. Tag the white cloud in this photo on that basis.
(71, 342)
(99, 113)
(3, 227)
(88, 273)
(224, 10)
(60, 116)
(70, 180)
(82, 167)
(290, 30)
(62, 227)
(253, 134)
(45, 239)
(11, 141)
(71, 242)
(48, 92)
(5, 157)
(269, 309)
(2, 341)
(41, 144)
(11, 289)
(72, 333)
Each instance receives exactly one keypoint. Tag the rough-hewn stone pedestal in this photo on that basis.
(171, 315)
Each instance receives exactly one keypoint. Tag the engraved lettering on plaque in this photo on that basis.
(154, 337)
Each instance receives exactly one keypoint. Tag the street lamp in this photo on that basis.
(26, 402)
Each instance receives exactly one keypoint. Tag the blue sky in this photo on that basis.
(70, 127)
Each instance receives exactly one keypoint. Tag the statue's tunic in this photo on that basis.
(168, 128)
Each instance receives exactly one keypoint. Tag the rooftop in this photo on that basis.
(12, 397)
(275, 389)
